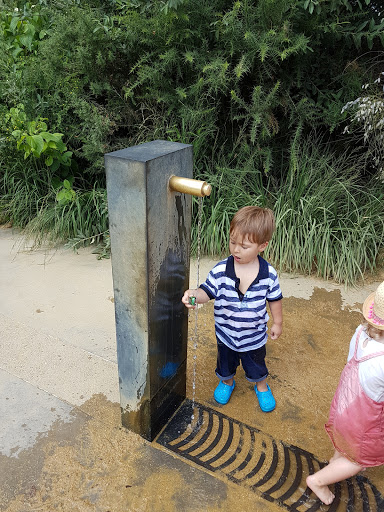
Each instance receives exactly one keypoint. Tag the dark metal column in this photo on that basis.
(150, 239)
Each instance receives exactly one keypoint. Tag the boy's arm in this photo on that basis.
(276, 308)
(201, 297)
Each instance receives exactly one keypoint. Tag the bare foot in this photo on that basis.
(322, 491)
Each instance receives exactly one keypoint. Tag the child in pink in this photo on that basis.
(356, 418)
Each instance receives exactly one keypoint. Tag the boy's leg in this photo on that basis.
(262, 385)
(227, 363)
(255, 369)
(256, 372)
(338, 469)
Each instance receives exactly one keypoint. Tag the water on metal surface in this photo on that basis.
(195, 333)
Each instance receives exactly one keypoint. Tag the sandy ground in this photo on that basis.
(61, 443)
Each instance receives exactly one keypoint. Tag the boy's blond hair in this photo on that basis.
(255, 223)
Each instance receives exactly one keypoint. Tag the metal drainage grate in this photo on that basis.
(246, 456)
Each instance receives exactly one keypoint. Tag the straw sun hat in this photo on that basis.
(373, 308)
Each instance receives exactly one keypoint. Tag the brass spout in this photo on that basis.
(188, 186)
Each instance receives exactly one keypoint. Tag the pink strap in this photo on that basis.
(357, 340)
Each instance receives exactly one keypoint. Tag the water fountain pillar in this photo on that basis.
(150, 227)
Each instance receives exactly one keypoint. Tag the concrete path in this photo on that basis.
(61, 443)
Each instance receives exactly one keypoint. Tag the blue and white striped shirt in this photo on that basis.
(241, 320)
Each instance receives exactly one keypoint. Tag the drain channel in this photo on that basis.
(274, 470)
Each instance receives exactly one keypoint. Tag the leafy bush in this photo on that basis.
(327, 222)
(238, 80)
(81, 221)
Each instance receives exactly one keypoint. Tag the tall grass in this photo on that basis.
(28, 200)
(80, 222)
(231, 189)
(23, 192)
(327, 222)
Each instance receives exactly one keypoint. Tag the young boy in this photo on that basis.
(240, 286)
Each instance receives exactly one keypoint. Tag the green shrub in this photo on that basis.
(79, 222)
(238, 80)
(328, 223)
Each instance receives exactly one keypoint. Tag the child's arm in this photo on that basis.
(201, 297)
(276, 308)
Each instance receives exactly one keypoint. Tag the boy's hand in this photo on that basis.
(186, 297)
(277, 318)
(275, 331)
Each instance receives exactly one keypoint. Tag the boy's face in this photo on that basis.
(243, 250)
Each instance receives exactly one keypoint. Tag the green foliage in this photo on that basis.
(23, 26)
(328, 223)
(33, 139)
(65, 193)
(226, 80)
(112, 74)
(147, 5)
(79, 222)
(22, 30)
(239, 80)
(348, 23)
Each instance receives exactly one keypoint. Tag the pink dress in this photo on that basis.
(356, 422)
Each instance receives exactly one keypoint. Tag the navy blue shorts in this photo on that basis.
(253, 363)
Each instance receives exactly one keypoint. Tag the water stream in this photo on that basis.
(195, 333)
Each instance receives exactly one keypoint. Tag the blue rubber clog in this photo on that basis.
(267, 401)
(223, 392)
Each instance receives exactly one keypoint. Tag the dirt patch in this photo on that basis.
(93, 464)
(304, 364)
(98, 466)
